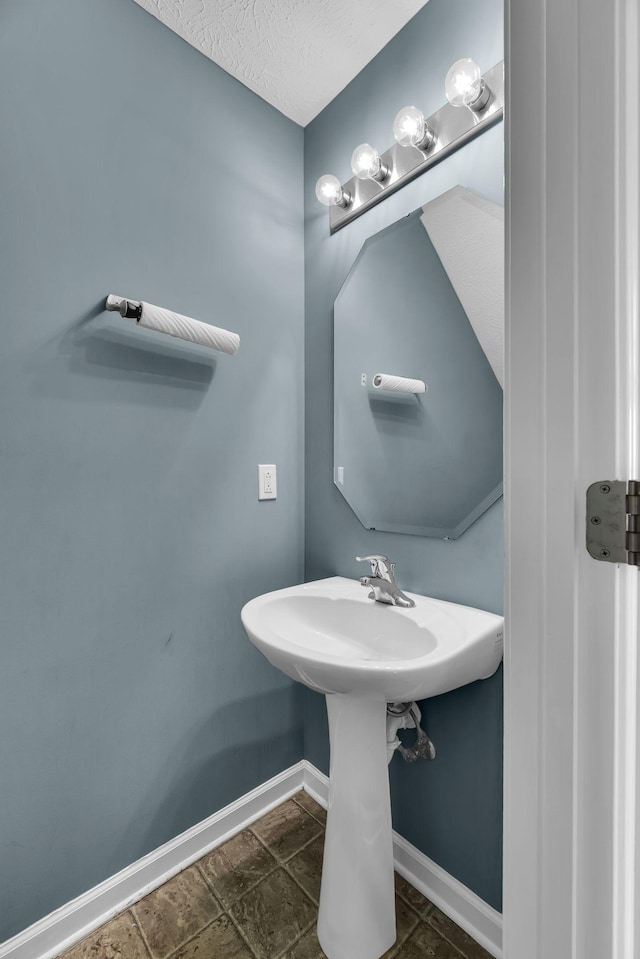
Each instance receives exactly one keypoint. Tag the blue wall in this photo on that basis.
(451, 809)
(130, 527)
(131, 703)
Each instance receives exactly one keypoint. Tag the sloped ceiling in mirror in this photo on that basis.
(296, 55)
(468, 234)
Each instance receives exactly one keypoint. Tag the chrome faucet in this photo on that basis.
(382, 581)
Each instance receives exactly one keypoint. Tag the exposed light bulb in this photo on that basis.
(465, 87)
(412, 130)
(366, 163)
(330, 191)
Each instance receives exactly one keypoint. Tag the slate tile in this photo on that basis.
(411, 895)
(273, 915)
(463, 942)
(118, 939)
(174, 912)
(232, 869)
(307, 947)
(220, 940)
(306, 867)
(182, 920)
(286, 829)
(425, 943)
(315, 809)
(406, 922)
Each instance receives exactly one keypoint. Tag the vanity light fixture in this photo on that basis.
(330, 191)
(367, 164)
(465, 87)
(377, 176)
(411, 129)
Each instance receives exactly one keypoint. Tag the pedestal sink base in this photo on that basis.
(330, 636)
(357, 900)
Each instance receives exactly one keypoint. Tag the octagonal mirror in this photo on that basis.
(424, 302)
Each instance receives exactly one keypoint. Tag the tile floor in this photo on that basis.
(256, 897)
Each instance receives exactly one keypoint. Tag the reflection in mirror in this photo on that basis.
(424, 301)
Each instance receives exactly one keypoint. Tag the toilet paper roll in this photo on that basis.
(398, 384)
(174, 324)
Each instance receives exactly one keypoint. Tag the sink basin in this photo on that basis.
(362, 654)
(330, 636)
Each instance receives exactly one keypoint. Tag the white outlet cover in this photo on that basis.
(267, 485)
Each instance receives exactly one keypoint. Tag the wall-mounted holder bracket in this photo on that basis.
(453, 127)
(613, 521)
(130, 309)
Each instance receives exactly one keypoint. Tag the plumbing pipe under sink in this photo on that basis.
(407, 716)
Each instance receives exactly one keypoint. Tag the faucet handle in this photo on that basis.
(375, 559)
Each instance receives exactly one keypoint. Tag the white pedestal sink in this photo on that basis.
(361, 654)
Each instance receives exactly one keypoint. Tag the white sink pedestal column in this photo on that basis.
(357, 900)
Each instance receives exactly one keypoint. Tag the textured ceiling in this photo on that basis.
(296, 54)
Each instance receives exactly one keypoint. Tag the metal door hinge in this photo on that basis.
(613, 521)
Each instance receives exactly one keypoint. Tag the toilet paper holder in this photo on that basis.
(130, 309)
(175, 325)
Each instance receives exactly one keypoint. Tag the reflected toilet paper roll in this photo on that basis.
(398, 384)
(174, 324)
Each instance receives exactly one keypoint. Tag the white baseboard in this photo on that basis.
(78, 918)
(61, 929)
(467, 910)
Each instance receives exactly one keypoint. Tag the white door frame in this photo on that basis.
(572, 813)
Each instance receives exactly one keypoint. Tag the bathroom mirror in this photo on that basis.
(424, 301)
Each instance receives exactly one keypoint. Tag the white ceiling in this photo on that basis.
(296, 54)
